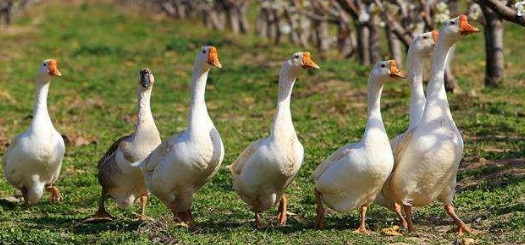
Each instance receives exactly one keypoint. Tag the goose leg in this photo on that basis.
(143, 201)
(462, 227)
(319, 223)
(177, 217)
(408, 213)
(55, 194)
(101, 215)
(258, 222)
(25, 195)
(189, 218)
(397, 209)
(362, 227)
(281, 213)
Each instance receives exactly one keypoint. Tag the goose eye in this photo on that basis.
(425, 37)
(452, 22)
(45, 64)
(203, 51)
(296, 56)
(383, 66)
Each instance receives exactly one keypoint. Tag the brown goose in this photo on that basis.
(118, 176)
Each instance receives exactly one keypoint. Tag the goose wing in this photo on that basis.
(238, 164)
(336, 156)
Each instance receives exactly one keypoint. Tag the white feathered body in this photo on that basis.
(181, 165)
(427, 167)
(34, 159)
(267, 167)
(353, 175)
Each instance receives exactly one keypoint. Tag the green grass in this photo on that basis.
(101, 47)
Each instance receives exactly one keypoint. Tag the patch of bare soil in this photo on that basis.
(158, 230)
(502, 168)
(76, 140)
(4, 139)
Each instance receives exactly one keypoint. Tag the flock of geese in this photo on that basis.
(412, 170)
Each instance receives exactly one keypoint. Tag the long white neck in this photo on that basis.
(282, 124)
(40, 114)
(198, 117)
(417, 95)
(145, 123)
(436, 107)
(374, 130)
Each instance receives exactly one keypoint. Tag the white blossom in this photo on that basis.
(442, 13)
(520, 8)
(363, 16)
(393, 9)
(286, 29)
(474, 12)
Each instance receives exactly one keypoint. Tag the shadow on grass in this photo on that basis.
(93, 228)
(9, 205)
(51, 222)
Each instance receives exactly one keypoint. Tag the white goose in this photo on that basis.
(118, 176)
(420, 50)
(182, 164)
(427, 156)
(33, 160)
(268, 166)
(353, 175)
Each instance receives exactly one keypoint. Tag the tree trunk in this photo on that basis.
(363, 40)
(211, 17)
(375, 56)
(235, 14)
(394, 45)
(493, 32)
(322, 36)
(321, 26)
(262, 20)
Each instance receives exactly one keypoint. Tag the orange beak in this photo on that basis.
(394, 71)
(53, 68)
(213, 57)
(464, 27)
(435, 36)
(307, 62)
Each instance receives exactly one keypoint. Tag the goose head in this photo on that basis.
(208, 57)
(423, 44)
(48, 69)
(298, 62)
(146, 79)
(454, 29)
(386, 71)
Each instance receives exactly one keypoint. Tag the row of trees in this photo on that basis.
(355, 28)
(360, 25)
(8, 7)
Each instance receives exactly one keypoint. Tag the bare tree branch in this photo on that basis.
(503, 11)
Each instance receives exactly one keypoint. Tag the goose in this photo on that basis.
(33, 160)
(268, 166)
(117, 175)
(183, 163)
(427, 156)
(354, 174)
(419, 51)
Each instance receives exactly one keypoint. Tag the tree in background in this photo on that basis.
(360, 25)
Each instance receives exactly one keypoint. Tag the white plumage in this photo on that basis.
(352, 176)
(33, 160)
(183, 163)
(266, 168)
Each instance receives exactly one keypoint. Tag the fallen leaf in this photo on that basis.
(300, 219)
(468, 241)
(392, 231)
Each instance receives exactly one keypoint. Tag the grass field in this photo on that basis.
(100, 48)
